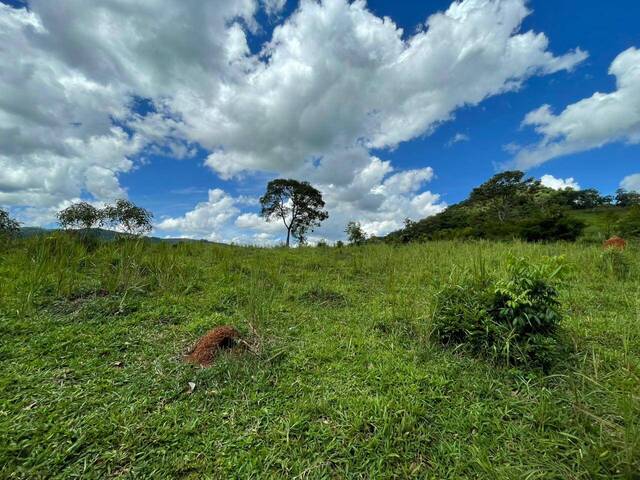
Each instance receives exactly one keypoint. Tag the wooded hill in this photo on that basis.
(511, 205)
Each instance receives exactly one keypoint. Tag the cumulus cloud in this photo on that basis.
(558, 183)
(335, 76)
(206, 218)
(333, 82)
(67, 82)
(592, 122)
(631, 182)
(377, 196)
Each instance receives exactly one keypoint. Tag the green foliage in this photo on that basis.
(132, 219)
(615, 263)
(629, 225)
(579, 199)
(297, 204)
(355, 233)
(8, 226)
(551, 227)
(512, 320)
(80, 215)
(625, 198)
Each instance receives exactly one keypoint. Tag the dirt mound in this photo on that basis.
(206, 348)
(615, 242)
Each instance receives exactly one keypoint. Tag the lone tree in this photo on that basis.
(355, 233)
(297, 204)
(8, 226)
(505, 192)
(80, 215)
(132, 219)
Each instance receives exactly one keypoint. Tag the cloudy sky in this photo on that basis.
(392, 109)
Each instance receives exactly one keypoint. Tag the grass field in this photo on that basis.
(341, 381)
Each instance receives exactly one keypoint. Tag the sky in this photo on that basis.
(393, 110)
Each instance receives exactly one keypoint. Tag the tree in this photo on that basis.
(80, 215)
(504, 192)
(132, 219)
(355, 233)
(297, 204)
(8, 226)
(625, 198)
(580, 199)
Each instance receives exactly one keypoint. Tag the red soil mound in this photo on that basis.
(208, 346)
(615, 242)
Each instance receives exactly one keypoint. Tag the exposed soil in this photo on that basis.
(208, 346)
(615, 242)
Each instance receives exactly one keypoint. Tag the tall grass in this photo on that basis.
(346, 384)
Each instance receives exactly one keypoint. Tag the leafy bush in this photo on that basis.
(552, 228)
(513, 320)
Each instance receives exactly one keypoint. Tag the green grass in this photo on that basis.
(600, 223)
(344, 383)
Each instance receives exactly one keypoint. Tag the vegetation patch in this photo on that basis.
(324, 297)
(513, 320)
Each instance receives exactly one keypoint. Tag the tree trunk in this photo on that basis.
(288, 236)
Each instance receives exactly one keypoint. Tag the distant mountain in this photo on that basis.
(100, 233)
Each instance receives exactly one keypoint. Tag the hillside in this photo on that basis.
(511, 206)
(100, 234)
(340, 378)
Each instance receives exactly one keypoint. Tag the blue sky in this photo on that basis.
(189, 109)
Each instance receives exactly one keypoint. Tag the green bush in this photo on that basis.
(551, 228)
(513, 320)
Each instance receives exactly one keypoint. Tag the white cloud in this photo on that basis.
(64, 78)
(206, 219)
(631, 182)
(335, 76)
(333, 82)
(457, 138)
(592, 122)
(377, 196)
(559, 183)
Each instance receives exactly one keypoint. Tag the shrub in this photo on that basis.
(513, 320)
(551, 228)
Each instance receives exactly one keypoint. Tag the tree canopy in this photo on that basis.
(132, 219)
(8, 226)
(298, 205)
(80, 215)
(355, 233)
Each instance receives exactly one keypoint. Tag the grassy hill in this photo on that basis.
(342, 378)
(600, 223)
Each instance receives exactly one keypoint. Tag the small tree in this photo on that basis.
(297, 204)
(505, 192)
(79, 215)
(355, 233)
(132, 219)
(8, 226)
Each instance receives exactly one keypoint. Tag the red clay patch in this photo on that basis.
(615, 242)
(207, 347)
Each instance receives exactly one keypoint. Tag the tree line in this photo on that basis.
(509, 205)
